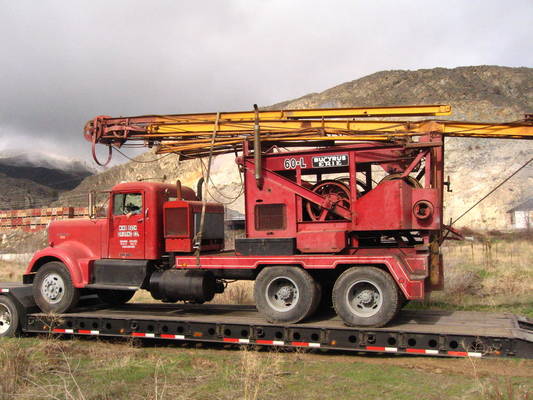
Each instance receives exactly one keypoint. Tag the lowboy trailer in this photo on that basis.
(413, 332)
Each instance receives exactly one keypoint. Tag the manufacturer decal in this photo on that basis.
(340, 160)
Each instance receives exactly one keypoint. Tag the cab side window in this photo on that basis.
(127, 203)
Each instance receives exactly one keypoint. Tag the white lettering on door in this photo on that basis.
(127, 231)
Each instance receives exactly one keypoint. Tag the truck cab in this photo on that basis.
(146, 223)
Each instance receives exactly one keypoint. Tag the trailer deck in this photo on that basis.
(418, 332)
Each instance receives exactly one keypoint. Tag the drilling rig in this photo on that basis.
(343, 208)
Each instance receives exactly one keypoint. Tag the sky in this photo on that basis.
(64, 62)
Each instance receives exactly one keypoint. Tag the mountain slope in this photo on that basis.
(35, 179)
(482, 93)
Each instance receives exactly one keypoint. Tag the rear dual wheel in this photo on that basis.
(286, 294)
(366, 296)
(361, 296)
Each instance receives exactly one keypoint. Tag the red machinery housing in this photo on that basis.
(377, 194)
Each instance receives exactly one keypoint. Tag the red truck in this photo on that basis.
(356, 226)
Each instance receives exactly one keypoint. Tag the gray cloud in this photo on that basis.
(64, 62)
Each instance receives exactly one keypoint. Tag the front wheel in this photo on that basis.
(286, 294)
(366, 296)
(53, 290)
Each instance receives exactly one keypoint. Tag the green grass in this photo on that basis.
(89, 369)
(523, 309)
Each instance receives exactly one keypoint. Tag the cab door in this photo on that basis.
(127, 226)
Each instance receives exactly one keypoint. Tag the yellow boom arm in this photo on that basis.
(193, 134)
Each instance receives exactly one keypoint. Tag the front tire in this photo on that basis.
(115, 297)
(286, 294)
(366, 296)
(53, 290)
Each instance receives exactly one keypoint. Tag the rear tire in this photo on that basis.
(115, 297)
(53, 290)
(286, 294)
(366, 296)
(9, 317)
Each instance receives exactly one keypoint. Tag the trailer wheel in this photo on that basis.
(9, 317)
(115, 297)
(366, 296)
(53, 290)
(286, 294)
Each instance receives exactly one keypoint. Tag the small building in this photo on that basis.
(522, 215)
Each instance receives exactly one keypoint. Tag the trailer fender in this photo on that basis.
(75, 256)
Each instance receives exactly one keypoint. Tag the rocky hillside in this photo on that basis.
(481, 93)
(24, 193)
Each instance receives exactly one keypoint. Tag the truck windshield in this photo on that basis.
(127, 203)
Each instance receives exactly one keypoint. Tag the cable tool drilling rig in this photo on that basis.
(343, 208)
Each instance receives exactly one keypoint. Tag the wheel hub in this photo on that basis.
(285, 293)
(53, 288)
(364, 298)
(282, 294)
(5, 319)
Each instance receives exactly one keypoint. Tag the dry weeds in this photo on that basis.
(258, 372)
(47, 370)
(11, 271)
(240, 292)
(498, 388)
(488, 272)
(15, 369)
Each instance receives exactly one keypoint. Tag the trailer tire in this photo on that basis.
(286, 294)
(115, 297)
(366, 296)
(53, 290)
(9, 317)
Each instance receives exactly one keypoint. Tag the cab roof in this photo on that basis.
(145, 186)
